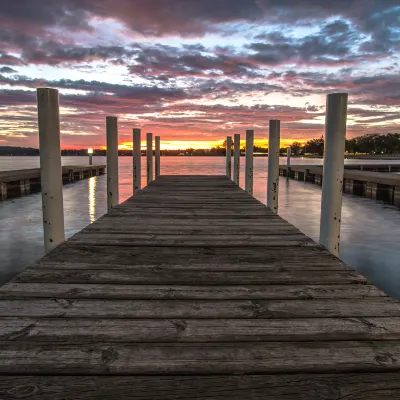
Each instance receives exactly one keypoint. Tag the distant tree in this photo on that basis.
(315, 146)
(296, 148)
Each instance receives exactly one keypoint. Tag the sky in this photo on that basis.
(196, 71)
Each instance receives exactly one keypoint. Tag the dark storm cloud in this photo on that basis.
(7, 70)
(196, 17)
(170, 62)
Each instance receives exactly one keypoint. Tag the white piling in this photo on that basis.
(236, 159)
(158, 156)
(289, 153)
(229, 157)
(249, 161)
(332, 184)
(274, 142)
(50, 167)
(137, 166)
(149, 157)
(112, 162)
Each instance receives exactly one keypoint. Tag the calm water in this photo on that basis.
(369, 238)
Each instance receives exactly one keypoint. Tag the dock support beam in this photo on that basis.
(229, 157)
(158, 156)
(236, 159)
(249, 161)
(149, 157)
(332, 183)
(112, 162)
(289, 153)
(137, 166)
(50, 168)
(273, 165)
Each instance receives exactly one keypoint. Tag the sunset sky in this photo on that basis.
(195, 71)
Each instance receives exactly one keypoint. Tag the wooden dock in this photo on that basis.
(369, 180)
(192, 289)
(22, 182)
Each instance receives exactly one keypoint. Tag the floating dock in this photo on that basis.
(192, 289)
(368, 180)
(26, 181)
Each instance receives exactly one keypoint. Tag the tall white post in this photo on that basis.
(112, 162)
(149, 157)
(229, 157)
(332, 184)
(158, 156)
(236, 159)
(274, 143)
(50, 168)
(137, 166)
(249, 161)
(289, 153)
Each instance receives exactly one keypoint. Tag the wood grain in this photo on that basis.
(192, 289)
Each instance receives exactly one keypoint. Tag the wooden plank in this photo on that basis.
(103, 239)
(265, 309)
(179, 277)
(199, 358)
(312, 265)
(189, 292)
(349, 386)
(81, 330)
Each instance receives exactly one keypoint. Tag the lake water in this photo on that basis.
(369, 236)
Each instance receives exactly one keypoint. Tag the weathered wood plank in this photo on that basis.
(80, 330)
(349, 386)
(189, 292)
(182, 277)
(311, 265)
(193, 358)
(81, 308)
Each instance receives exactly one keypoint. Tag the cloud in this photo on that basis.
(7, 70)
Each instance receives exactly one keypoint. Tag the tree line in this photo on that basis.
(367, 144)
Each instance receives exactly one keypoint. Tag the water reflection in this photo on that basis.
(92, 182)
(368, 236)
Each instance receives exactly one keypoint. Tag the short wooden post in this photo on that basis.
(332, 183)
(236, 159)
(149, 157)
(50, 168)
(3, 191)
(229, 157)
(274, 143)
(158, 156)
(289, 153)
(249, 161)
(112, 162)
(137, 166)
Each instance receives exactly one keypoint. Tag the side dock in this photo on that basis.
(26, 181)
(373, 181)
(192, 289)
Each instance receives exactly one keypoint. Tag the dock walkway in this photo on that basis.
(192, 289)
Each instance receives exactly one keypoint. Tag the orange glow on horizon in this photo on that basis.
(183, 145)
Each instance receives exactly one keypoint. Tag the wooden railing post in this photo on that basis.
(137, 166)
(112, 162)
(289, 153)
(332, 183)
(249, 161)
(236, 159)
(273, 165)
(149, 157)
(50, 168)
(158, 156)
(229, 157)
